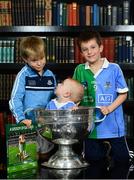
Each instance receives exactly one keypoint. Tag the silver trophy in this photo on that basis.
(64, 127)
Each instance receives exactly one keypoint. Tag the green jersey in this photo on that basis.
(86, 78)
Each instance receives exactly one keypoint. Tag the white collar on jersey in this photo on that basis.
(105, 64)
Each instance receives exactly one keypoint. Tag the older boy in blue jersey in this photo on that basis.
(34, 85)
(105, 87)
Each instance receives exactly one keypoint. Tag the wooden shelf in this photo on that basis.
(49, 30)
(58, 66)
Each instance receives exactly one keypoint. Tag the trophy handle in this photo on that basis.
(99, 116)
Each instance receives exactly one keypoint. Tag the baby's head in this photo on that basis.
(70, 89)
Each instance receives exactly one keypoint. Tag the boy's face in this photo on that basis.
(37, 64)
(91, 51)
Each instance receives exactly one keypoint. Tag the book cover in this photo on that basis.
(54, 13)
(109, 15)
(95, 14)
(74, 14)
(2, 125)
(64, 14)
(69, 14)
(48, 12)
(114, 15)
(126, 10)
(21, 150)
(88, 17)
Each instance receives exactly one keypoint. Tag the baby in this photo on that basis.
(69, 94)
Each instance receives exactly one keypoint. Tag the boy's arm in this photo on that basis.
(118, 101)
(16, 101)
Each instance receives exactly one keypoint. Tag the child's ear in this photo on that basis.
(78, 103)
(101, 48)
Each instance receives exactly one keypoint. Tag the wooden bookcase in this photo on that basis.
(65, 70)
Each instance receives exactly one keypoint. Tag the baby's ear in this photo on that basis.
(78, 103)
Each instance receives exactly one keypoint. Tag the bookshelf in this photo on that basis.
(62, 70)
(22, 30)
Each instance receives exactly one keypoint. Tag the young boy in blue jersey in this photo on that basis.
(105, 87)
(69, 93)
(34, 85)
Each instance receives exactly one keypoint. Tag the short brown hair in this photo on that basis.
(32, 47)
(88, 35)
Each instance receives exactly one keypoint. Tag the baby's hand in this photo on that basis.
(27, 122)
(74, 108)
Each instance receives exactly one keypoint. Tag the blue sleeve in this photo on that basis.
(51, 106)
(121, 86)
(16, 101)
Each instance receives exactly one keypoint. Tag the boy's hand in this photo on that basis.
(27, 122)
(105, 110)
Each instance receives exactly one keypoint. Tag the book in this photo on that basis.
(119, 15)
(114, 15)
(109, 15)
(109, 48)
(64, 14)
(2, 124)
(21, 150)
(48, 13)
(126, 9)
(74, 13)
(95, 14)
(69, 14)
(88, 17)
(54, 13)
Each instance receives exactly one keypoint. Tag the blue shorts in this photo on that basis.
(95, 149)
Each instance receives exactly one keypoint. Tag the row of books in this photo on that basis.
(7, 51)
(7, 80)
(118, 49)
(74, 14)
(6, 84)
(5, 118)
(49, 13)
(5, 13)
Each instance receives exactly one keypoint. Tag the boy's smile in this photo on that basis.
(91, 51)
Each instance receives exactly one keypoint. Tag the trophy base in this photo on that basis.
(65, 163)
(65, 158)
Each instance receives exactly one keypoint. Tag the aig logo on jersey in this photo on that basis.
(105, 98)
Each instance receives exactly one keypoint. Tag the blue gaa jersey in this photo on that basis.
(31, 91)
(106, 84)
(55, 105)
